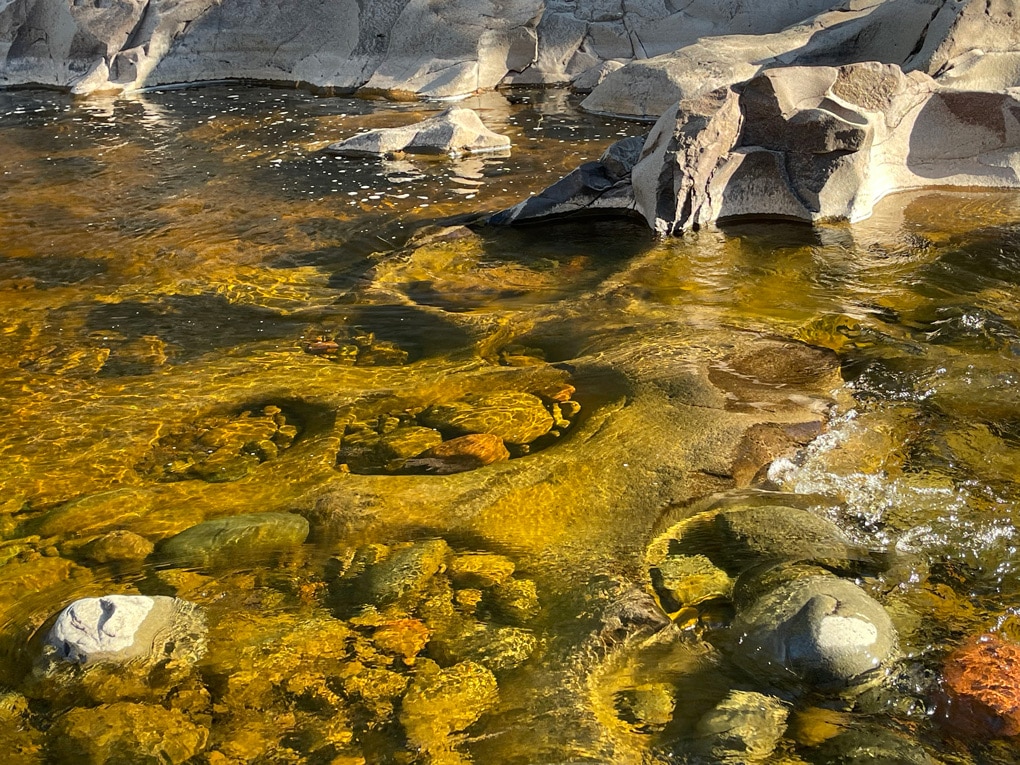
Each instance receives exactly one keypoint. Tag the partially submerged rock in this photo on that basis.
(981, 687)
(122, 628)
(812, 143)
(453, 132)
(815, 632)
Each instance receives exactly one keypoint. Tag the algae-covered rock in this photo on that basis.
(440, 702)
(124, 628)
(647, 706)
(480, 569)
(743, 728)
(516, 417)
(125, 733)
(814, 632)
(515, 600)
(774, 532)
(225, 540)
(405, 573)
(118, 547)
(497, 648)
(686, 580)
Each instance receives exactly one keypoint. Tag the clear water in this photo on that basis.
(167, 260)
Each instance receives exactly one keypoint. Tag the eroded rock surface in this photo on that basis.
(662, 51)
(812, 143)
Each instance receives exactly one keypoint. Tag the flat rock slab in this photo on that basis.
(228, 539)
(454, 132)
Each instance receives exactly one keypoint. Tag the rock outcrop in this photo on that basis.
(801, 143)
(453, 132)
(431, 49)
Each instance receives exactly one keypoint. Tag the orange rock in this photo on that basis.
(460, 454)
(981, 687)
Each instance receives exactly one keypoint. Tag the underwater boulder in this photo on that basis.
(814, 632)
(224, 540)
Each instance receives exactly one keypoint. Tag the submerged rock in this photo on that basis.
(225, 540)
(454, 131)
(444, 701)
(744, 727)
(123, 733)
(123, 628)
(516, 417)
(815, 632)
(980, 693)
(460, 454)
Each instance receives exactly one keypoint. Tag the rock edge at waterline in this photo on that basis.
(805, 144)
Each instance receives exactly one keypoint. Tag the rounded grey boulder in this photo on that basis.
(817, 632)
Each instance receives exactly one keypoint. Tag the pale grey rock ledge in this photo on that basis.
(445, 49)
(452, 132)
(807, 144)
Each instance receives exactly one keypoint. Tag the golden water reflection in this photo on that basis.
(167, 262)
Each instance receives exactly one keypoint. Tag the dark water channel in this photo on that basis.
(205, 316)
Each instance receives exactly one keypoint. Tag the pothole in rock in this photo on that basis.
(222, 447)
(470, 432)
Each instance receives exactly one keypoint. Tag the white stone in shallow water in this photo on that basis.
(104, 627)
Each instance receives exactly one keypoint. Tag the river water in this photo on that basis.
(176, 263)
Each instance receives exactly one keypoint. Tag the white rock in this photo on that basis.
(121, 628)
(453, 131)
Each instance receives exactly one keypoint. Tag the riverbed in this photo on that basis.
(181, 266)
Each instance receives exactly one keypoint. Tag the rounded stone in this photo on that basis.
(235, 538)
(818, 632)
(118, 546)
(743, 728)
(516, 417)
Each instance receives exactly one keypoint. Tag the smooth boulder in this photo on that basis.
(815, 633)
(453, 131)
(226, 540)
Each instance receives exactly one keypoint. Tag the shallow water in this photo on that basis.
(167, 265)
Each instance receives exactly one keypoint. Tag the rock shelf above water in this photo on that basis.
(809, 144)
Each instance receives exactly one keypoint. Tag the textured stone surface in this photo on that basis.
(816, 632)
(448, 49)
(119, 628)
(981, 687)
(804, 143)
(453, 131)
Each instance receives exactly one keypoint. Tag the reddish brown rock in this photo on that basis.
(981, 687)
(459, 454)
